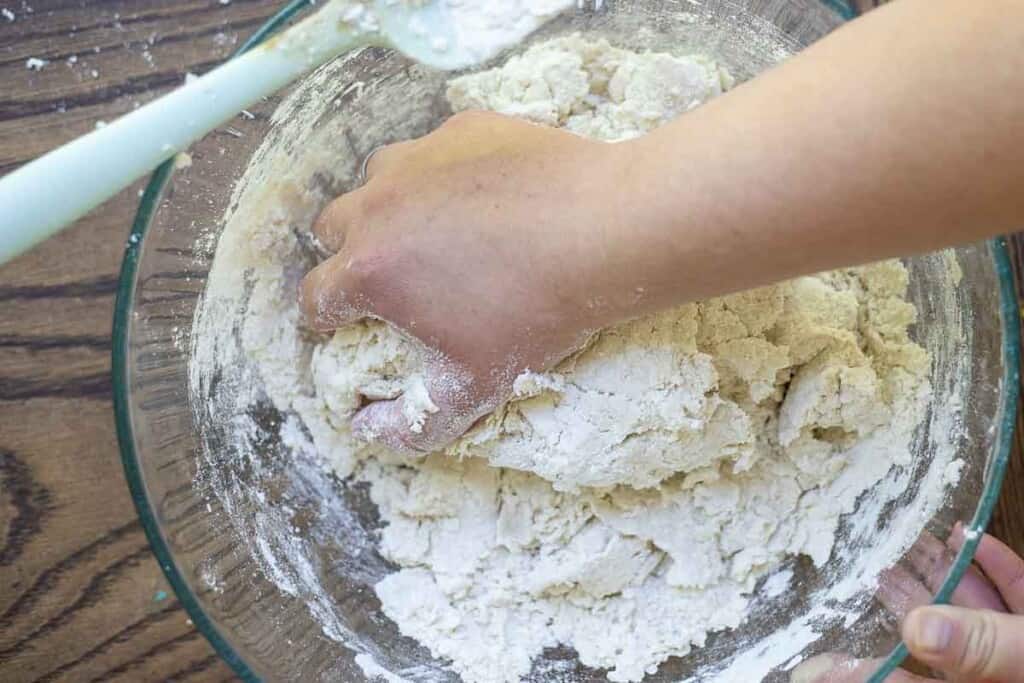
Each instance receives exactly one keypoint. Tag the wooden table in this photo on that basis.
(81, 597)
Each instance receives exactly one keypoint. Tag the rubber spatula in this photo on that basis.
(41, 197)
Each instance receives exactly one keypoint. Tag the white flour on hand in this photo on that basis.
(625, 503)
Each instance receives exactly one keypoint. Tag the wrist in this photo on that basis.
(589, 272)
(630, 263)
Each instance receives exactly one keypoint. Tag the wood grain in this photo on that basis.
(81, 597)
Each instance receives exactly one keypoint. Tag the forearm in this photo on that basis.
(898, 134)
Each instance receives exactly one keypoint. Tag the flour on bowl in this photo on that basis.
(626, 503)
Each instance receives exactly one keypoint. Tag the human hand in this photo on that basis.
(979, 638)
(484, 241)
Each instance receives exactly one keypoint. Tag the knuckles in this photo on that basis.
(375, 202)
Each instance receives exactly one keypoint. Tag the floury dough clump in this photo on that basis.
(592, 88)
(626, 503)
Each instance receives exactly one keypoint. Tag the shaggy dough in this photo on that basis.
(592, 88)
(626, 503)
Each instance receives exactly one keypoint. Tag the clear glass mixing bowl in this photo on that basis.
(214, 518)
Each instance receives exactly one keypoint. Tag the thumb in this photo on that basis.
(405, 424)
(330, 296)
(433, 410)
(974, 644)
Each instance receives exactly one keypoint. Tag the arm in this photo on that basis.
(501, 245)
(900, 133)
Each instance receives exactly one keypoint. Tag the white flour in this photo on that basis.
(626, 503)
(483, 28)
(468, 32)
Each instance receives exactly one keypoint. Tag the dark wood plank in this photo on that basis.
(81, 597)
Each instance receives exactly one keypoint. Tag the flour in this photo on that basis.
(626, 503)
(467, 32)
(484, 28)
(375, 672)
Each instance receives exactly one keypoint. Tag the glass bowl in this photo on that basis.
(275, 560)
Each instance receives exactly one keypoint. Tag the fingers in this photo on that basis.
(396, 424)
(932, 559)
(972, 644)
(382, 157)
(837, 668)
(341, 215)
(975, 641)
(434, 410)
(330, 296)
(900, 591)
(334, 222)
(1001, 564)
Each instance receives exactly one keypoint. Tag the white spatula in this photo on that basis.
(41, 197)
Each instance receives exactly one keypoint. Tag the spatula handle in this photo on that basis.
(41, 197)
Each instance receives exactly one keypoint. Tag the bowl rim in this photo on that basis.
(149, 202)
(148, 205)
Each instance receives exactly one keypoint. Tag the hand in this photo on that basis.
(484, 242)
(979, 638)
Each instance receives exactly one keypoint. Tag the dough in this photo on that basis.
(626, 503)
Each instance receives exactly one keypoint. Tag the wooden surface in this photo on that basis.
(81, 597)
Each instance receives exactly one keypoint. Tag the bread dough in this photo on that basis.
(626, 503)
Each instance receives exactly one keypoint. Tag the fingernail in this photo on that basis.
(814, 669)
(931, 630)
